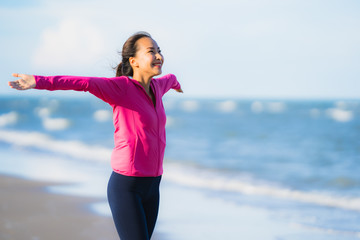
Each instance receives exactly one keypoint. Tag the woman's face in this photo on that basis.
(148, 59)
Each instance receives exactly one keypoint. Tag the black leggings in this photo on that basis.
(134, 203)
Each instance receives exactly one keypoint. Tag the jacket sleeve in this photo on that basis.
(107, 89)
(168, 82)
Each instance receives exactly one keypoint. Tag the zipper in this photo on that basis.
(157, 117)
(158, 127)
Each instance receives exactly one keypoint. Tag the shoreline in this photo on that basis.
(28, 211)
(31, 209)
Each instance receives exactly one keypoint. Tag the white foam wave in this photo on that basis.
(190, 106)
(102, 115)
(55, 124)
(43, 112)
(41, 141)
(50, 107)
(51, 124)
(340, 115)
(257, 107)
(328, 230)
(212, 180)
(227, 106)
(276, 107)
(8, 118)
(170, 121)
(271, 107)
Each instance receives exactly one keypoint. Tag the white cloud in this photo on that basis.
(71, 44)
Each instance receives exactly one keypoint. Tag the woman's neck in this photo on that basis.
(143, 80)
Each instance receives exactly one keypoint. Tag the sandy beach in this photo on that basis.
(27, 211)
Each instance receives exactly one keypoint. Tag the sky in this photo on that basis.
(301, 49)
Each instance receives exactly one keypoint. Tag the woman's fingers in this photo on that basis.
(16, 84)
(25, 82)
(21, 76)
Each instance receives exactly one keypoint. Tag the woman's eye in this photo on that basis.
(153, 51)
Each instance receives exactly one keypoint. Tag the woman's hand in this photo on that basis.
(179, 90)
(25, 82)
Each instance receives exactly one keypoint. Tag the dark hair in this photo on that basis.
(129, 50)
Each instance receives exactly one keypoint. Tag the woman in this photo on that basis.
(139, 121)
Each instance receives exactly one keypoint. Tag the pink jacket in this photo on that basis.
(139, 126)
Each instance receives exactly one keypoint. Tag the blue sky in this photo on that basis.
(230, 48)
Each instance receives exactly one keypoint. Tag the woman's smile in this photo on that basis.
(157, 64)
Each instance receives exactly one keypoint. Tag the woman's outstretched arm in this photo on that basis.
(25, 82)
(107, 89)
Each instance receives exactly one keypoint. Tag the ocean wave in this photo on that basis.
(180, 173)
(190, 106)
(102, 115)
(51, 124)
(340, 115)
(276, 107)
(76, 149)
(271, 107)
(328, 230)
(257, 107)
(55, 124)
(8, 118)
(211, 179)
(227, 106)
(170, 121)
(43, 112)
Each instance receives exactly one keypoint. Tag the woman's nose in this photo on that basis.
(159, 56)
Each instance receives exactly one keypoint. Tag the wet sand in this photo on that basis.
(27, 211)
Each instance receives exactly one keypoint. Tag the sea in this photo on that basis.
(297, 159)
